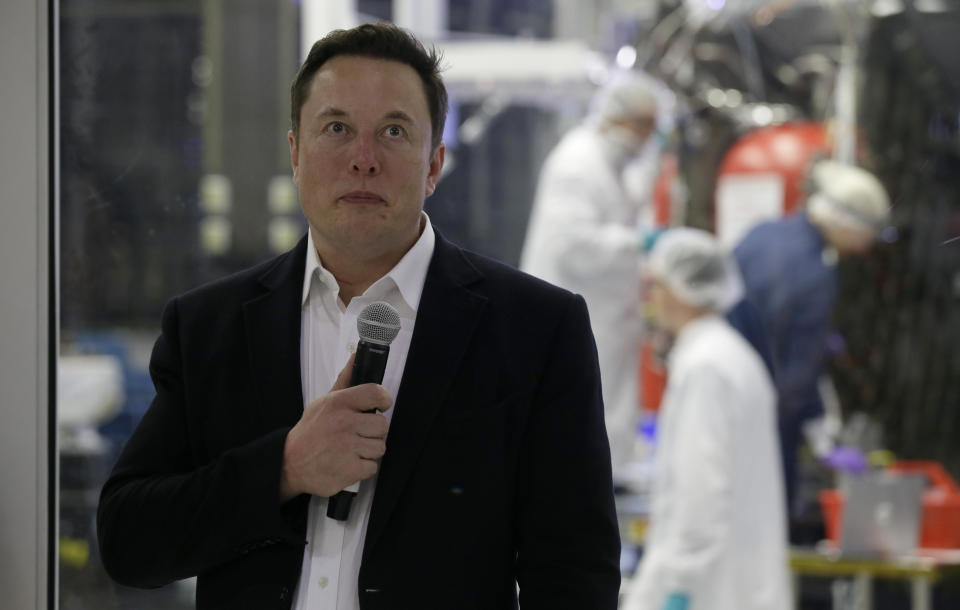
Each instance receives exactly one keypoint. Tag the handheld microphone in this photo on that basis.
(378, 325)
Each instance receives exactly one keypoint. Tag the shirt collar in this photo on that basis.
(410, 273)
(407, 276)
(313, 268)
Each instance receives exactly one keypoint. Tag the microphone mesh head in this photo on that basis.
(378, 323)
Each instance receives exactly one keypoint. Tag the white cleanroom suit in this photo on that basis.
(718, 521)
(582, 236)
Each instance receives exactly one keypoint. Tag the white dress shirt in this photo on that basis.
(328, 335)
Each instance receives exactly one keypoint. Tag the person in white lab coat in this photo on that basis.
(583, 236)
(717, 537)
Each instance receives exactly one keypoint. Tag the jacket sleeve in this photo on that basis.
(164, 515)
(800, 350)
(569, 546)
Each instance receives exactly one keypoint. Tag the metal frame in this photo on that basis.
(28, 321)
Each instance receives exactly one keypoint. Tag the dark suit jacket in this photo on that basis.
(497, 467)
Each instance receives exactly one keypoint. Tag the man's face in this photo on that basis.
(633, 133)
(659, 302)
(852, 241)
(363, 161)
(651, 295)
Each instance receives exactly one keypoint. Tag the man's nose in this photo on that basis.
(364, 159)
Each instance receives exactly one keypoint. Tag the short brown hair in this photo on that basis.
(380, 41)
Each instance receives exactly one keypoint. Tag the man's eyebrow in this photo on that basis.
(331, 111)
(399, 115)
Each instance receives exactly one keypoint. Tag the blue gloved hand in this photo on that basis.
(677, 601)
(647, 237)
(847, 459)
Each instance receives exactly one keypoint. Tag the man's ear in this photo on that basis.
(436, 165)
(294, 157)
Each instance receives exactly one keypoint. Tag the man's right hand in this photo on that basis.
(336, 442)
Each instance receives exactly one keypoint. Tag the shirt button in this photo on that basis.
(351, 347)
(323, 582)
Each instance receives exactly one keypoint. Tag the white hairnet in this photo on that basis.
(696, 269)
(626, 100)
(847, 196)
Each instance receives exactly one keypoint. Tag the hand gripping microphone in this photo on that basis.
(378, 325)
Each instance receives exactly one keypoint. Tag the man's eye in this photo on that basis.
(336, 128)
(395, 131)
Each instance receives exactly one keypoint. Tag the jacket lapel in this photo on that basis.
(446, 320)
(272, 324)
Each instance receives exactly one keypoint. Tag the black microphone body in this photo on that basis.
(381, 323)
(368, 367)
(370, 363)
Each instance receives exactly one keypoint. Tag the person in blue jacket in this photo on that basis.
(789, 275)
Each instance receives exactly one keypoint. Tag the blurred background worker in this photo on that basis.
(789, 273)
(583, 235)
(717, 535)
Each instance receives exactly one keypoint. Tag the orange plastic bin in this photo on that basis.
(940, 527)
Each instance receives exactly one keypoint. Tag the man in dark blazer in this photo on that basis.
(495, 474)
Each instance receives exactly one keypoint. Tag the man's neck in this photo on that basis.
(355, 272)
(355, 276)
(684, 316)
